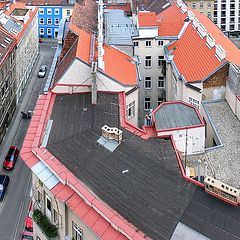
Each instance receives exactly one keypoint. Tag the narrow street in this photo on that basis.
(14, 207)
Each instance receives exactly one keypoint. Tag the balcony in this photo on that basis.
(43, 222)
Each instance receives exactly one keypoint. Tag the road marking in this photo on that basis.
(20, 210)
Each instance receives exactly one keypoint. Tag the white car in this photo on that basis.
(42, 71)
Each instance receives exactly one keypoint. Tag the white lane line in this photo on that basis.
(20, 210)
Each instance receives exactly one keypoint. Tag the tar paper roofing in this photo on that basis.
(175, 115)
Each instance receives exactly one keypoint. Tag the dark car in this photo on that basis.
(11, 158)
(42, 71)
(29, 221)
(4, 181)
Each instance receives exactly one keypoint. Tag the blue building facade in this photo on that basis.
(49, 18)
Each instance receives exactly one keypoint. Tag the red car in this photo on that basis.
(27, 236)
(11, 158)
(29, 221)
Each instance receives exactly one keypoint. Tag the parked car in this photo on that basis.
(29, 221)
(4, 181)
(42, 71)
(11, 158)
(27, 236)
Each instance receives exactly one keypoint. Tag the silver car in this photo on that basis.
(42, 71)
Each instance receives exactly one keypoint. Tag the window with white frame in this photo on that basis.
(56, 21)
(209, 14)
(161, 61)
(148, 43)
(161, 82)
(148, 61)
(49, 31)
(41, 20)
(147, 103)
(41, 31)
(209, 4)
(56, 11)
(49, 21)
(55, 216)
(148, 82)
(194, 102)
(77, 232)
(131, 110)
(68, 12)
(41, 11)
(48, 207)
(49, 11)
(160, 100)
(201, 5)
(160, 42)
(135, 44)
(193, 5)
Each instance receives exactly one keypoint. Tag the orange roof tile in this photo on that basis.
(232, 52)
(147, 19)
(84, 43)
(123, 6)
(119, 66)
(170, 21)
(193, 58)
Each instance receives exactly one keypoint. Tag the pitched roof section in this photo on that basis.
(170, 21)
(147, 19)
(47, 2)
(193, 58)
(232, 52)
(84, 15)
(120, 66)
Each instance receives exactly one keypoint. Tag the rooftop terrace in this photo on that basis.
(152, 195)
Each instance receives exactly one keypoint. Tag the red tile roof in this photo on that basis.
(119, 66)
(232, 52)
(147, 19)
(170, 21)
(193, 58)
(126, 7)
(45, 2)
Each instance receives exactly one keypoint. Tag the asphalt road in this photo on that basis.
(14, 207)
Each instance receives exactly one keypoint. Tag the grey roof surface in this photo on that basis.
(224, 161)
(152, 195)
(174, 115)
(11, 25)
(119, 28)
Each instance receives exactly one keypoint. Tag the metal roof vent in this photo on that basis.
(210, 41)
(195, 22)
(191, 15)
(201, 30)
(184, 8)
(220, 52)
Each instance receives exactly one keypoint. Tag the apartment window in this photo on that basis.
(48, 207)
(68, 12)
(223, 13)
(135, 44)
(49, 21)
(148, 82)
(160, 43)
(49, 11)
(41, 20)
(161, 61)
(193, 5)
(77, 232)
(41, 31)
(131, 110)
(232, 27)
(147, 103)
(209, 14)
(232, 13)
(232, 20)
(201, 5)
(161, 82)
(160, 100)
(209, 4)
(56, 11)
(194, 102)
(223, 27)
(223, 20)
(49, 31)
(39, 196)
(41, 11)
(223, 7)
(148, 61)
(56, 21)
(148, 43)
(55, 216)
(232, 6)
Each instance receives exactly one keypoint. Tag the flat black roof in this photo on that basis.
(152, 195)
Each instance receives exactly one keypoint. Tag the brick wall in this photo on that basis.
(217, 79)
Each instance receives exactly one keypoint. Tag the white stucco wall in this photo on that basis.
(195, 139)
(150, 32)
